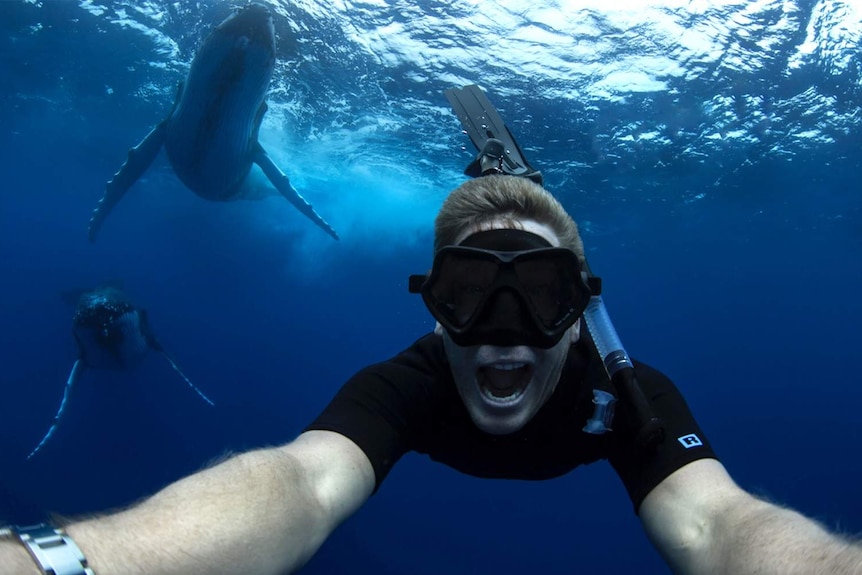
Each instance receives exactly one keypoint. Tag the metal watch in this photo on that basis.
(51, 548)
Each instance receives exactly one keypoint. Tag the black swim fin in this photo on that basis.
(499, 152)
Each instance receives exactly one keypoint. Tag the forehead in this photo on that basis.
(501, 223)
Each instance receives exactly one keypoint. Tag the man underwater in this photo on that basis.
(504, 387)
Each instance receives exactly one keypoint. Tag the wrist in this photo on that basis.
(14, 557)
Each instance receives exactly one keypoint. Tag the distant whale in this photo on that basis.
(211, 133)
(112, 333)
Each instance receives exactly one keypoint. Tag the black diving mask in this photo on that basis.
(529, 295)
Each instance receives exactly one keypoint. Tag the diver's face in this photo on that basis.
(504, 387)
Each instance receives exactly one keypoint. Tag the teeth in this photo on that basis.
(502, 400)
(508, 366)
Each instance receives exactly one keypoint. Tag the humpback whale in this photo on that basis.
(111, 333)
(210, 135)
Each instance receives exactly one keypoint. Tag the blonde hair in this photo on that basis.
(479, 201)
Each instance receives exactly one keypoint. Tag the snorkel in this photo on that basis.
(620, 370)
(499, 153)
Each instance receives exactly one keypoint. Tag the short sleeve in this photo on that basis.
(642, 469)
(385, 405)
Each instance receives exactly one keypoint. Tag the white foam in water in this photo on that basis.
(385, 204)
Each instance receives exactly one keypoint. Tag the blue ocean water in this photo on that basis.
(709, 151)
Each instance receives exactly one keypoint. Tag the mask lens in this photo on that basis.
(461, 285)
(548, 283)
(541, 288)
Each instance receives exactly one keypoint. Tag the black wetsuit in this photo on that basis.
(410, 403)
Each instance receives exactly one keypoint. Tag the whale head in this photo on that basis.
(249, 28)
(111, 332)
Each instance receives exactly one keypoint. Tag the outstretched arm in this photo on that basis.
(702, 522)
(265, 511)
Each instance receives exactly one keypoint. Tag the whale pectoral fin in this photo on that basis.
(76, 372)
(147, 331)
(182, 375)
(258, 120)
(181, 86)
(286, 189)
(139, 159)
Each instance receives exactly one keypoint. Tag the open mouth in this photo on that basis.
(504, 382)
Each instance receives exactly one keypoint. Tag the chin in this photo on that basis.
(497, 422)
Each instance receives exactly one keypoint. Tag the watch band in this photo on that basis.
(52, 549)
